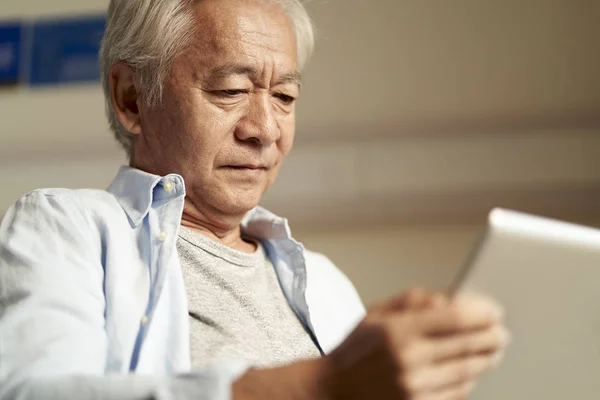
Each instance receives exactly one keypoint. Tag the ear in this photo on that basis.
(124, 95)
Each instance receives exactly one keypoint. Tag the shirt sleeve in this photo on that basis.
(53, 344)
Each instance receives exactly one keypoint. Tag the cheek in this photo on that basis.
(205, 128)
(168, 121)
(286, 142)
(285, 147)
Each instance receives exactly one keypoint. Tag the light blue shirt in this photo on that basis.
(92, 299)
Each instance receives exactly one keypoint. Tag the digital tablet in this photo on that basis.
(546, 274)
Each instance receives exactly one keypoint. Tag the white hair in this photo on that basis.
(149, 34)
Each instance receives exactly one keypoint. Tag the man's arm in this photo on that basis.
(52, 337)
(214, 383)
(416, 346)
(53, 342)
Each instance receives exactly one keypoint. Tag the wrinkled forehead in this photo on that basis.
(243, 28)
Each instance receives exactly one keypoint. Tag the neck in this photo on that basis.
(201, 217)
(224, 229)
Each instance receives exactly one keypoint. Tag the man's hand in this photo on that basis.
(418, 346)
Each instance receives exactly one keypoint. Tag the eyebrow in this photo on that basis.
(225, 71)
(293, 77)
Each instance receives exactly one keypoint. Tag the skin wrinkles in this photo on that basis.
(229, 102)
(224, 126)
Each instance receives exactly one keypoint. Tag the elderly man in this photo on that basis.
(173, 284)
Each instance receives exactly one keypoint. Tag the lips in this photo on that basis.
(247, 166)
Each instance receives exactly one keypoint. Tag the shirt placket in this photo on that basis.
(162, 222)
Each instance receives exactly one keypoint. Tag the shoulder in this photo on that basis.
(66, 196)
(324, 275)
(78, 197)
(63, 206)
(325, 267)
(335, 306)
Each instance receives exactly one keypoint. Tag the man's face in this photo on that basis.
(227, 117)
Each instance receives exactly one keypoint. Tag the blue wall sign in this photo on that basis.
(66, 50)
(10, 52)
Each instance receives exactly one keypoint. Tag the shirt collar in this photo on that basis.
(135, 191)
(260, 223)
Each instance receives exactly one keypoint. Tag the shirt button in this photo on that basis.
(162, 236)
(144, 320)
(169, 186)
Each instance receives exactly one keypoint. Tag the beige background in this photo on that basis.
(416, 118)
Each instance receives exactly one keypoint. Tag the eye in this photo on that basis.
(285, 99)
(231, 92)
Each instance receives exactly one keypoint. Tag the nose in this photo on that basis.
(259, 124)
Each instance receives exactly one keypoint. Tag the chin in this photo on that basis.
(240, 203)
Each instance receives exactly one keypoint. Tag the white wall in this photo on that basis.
(383, 260)
(39, 8)
(408, 64)
(415, 119)
(386, 260)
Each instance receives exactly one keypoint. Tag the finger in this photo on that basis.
(456, 372)
(459, 316)
(439, 300)
(477, 298)
(412, 299)
(455, 392)
(490, 340)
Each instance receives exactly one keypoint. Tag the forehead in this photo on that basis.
(242, 29)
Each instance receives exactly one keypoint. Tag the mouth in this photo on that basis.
(245, 171)
(246, 167)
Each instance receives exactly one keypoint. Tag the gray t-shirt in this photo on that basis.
(238, 308)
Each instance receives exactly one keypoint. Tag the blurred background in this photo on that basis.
(416, 118)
